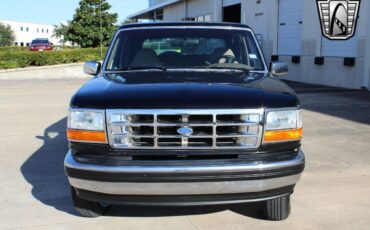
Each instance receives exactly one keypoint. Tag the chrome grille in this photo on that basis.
(208, 129)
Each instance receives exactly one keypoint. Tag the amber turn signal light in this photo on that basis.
(283, 135)
(86, 136)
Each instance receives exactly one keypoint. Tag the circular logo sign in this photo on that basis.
(185, 131)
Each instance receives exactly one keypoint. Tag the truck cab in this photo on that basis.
(184, 114)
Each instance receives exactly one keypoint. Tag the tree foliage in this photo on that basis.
(7, 37)
(91, 23)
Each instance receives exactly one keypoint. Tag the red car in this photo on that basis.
(41, 44)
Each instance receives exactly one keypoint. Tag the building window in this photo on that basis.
(21, 28)
(156, 15)
(202, 18)
(38, 30)
(16, 43)
(42, 30)
(22, 43)
(47, 31)
(189, 19)
(27, 29)
(207, 18)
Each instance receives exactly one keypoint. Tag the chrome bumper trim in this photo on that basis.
(183, 188)
(188, 169)
(186, 188)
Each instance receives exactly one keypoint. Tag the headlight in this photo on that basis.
(285, 125)
(283, 120)
(87, 120)
(86, 126)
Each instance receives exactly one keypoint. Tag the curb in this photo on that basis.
(64, 71)
(40, 67)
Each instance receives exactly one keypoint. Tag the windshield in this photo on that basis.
(185, 48)
(40, 42)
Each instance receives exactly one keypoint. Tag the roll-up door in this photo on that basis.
(290, 27)
(347, 48)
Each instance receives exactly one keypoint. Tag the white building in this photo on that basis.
(289, 30)
(26, 32)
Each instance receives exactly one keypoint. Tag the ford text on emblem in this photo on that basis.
(338, 18)
(185, 131)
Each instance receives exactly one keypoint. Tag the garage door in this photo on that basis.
(332, 48)
(290, 27)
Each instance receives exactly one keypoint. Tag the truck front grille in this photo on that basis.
(185, 129)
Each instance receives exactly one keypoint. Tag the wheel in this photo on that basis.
(88, 208)
(278, 209)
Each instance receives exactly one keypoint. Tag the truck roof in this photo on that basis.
(208, 24)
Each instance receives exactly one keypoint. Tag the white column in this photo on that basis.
(217, 11)
(366, 77)
(186, 9)
(311, 34)
(273, 12)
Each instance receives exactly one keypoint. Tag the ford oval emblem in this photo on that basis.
(185, 131)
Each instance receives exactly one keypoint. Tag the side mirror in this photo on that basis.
(279, 68)
(92, 67)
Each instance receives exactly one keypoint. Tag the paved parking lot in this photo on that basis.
(34, 194)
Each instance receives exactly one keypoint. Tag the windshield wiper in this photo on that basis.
(230, 66)
(129, 68)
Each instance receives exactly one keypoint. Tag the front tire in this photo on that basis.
(88, 208)
(278, 209)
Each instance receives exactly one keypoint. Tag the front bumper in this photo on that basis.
(188, 183)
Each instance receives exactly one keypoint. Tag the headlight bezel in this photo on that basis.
(88, 133)
(294, 131)
(73, 113)
(291, 111)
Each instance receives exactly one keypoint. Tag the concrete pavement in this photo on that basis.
(34, 193)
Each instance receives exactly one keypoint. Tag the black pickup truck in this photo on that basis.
(184, 114)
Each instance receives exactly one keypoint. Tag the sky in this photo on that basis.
(56, 11)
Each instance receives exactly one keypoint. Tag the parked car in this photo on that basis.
(41, 44)
(184, 114)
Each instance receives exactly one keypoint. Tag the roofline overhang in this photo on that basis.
(153, 8)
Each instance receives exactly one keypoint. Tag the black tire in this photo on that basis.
(278, 209)
(88, 208)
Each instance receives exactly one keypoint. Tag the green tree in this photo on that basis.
(91, 24)
(7, 37)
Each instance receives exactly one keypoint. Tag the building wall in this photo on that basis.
(200, 8)
(175, 12)
(366, 46)
(206, 9)
(263, 17)
(26, 32)
(333, 72)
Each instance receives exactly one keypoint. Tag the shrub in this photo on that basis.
(8, 64)
(20, 59)
(13, 49)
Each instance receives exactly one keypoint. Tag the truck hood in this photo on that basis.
(185, 90)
